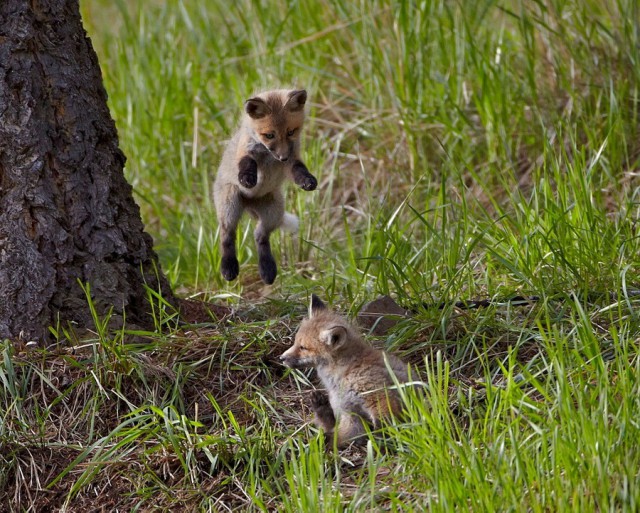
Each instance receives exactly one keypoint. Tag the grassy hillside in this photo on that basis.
(464, 151)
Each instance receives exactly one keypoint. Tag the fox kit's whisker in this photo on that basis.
(260, 156)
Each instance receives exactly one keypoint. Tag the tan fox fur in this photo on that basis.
(356, 376)
(260, 156)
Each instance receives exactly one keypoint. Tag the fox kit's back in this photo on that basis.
(260, 156)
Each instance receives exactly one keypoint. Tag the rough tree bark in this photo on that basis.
(66, 210)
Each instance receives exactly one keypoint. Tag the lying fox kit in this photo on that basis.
(355, 374)
(261, 154)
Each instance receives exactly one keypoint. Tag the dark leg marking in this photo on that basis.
(302, 177)
(323, 411)
(266, 263)
(248, 172)
(229, 266)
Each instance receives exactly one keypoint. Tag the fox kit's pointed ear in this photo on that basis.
(296, 100)
(256, 108)
(316, 305)
(334, 337)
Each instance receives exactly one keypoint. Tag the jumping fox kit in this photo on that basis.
(260, 156)
(356, 376)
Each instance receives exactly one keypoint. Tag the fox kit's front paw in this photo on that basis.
(248, 172)
(308, 183)
(229, 267)
(321, 407)
(303, 178)
(319, 401)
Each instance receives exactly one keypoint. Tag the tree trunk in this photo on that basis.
(67, 214)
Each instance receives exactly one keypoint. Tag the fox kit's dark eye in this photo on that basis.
(269, 136)
(291, 132)
(302, 348)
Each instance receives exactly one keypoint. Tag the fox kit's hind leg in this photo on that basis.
(350, 426)
(270, 212)
(229, 209)
(350, 429)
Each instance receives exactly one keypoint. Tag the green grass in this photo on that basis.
(464, 150)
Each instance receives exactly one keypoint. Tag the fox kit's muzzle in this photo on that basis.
(286, 359)
(281, 151)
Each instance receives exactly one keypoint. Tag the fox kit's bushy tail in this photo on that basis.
(259, 158)
(290, 223)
